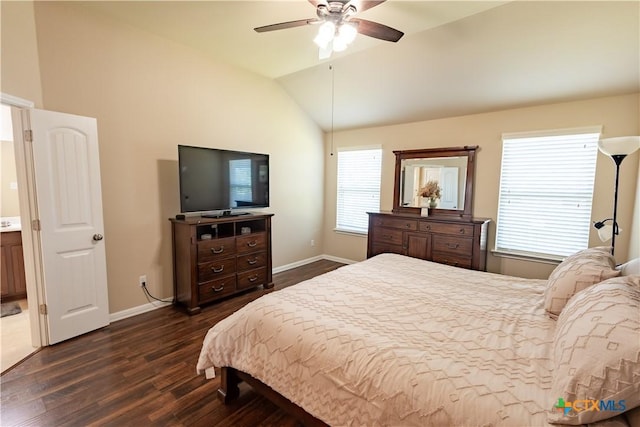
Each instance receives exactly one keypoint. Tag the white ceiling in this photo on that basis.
(456, 58)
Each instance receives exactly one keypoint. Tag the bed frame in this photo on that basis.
(229, 391)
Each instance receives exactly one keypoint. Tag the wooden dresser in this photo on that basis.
(217, 257)
(446, 240)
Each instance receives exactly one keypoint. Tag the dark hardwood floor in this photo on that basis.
(138, 371)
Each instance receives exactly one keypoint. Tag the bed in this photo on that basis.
(395, 340)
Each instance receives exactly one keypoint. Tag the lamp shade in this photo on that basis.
(605, 233)
(622, 145)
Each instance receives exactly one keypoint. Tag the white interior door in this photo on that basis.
(449, 185)
(69, 204)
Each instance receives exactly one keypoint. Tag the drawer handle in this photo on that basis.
(461, 231)
(428, 227)
(252, 261)
(214, 289)
(217, 270)
(450, 246)
(252, 243)
(253, 278)
(407, 225)
(217, 251)
(387, 236)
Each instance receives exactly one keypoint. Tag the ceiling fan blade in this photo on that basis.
(362, 5)
(284, 25)
(378, 31)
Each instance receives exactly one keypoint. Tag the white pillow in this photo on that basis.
(630, 268)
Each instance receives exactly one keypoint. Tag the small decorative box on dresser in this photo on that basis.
(217, 257)
(446, 240)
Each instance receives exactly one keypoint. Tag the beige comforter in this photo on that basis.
(398, 341)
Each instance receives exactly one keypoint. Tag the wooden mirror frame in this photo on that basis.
(468, 151)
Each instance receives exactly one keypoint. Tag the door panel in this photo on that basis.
(449, 186)
(419, 246)
(69, 201)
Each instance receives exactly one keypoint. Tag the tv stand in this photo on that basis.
(217, 257)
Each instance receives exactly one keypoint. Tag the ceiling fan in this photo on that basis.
(338, 26)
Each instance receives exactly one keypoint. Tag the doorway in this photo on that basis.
(15, 323)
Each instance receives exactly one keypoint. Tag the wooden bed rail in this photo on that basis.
(229, 391)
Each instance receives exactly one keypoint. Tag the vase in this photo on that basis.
(432, 203)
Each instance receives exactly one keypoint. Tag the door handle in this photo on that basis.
(97, 237)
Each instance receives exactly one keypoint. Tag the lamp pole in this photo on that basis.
(617, 158)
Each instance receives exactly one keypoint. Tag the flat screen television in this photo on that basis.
(213, 180)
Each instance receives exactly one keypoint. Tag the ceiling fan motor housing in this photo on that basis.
(335, 11)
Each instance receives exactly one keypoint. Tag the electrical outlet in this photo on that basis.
(143, 280)
(313, 242)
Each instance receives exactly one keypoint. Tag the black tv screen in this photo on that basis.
(212, 179)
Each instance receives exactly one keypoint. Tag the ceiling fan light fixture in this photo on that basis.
(347, 32)
(325, 35)
(339, 45)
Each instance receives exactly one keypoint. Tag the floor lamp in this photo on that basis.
(616, 148)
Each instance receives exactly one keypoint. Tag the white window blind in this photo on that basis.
(240, 180)
(546, 191)
(358, 188)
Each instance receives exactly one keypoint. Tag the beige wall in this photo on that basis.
(149, 95)
(10, 204)
(618, 115)
(20, 66)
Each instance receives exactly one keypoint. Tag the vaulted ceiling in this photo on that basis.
(456, 57)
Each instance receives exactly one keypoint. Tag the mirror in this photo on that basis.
(451, 168)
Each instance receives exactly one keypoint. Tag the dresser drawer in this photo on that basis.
(217, 248)
(388, 235)
(215, 289)
(454, 260)
(451, 229)
(399, 223)
(251, 243)
(452, 245)
(250, 261)
(252, 278)
(217, 268)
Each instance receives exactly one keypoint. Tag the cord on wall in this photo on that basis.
(151, 297)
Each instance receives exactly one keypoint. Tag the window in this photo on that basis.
(358, 188)
(240, 180)
(546, 191)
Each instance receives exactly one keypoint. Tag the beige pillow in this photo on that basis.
(596, 352)
(575, 273)
(630, 268)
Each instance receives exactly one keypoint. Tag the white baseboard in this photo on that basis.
(296, 264)
(338, 259)
(134, 311)
(310, 260)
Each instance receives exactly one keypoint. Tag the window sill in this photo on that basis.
(528, 256)
(351, 232)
